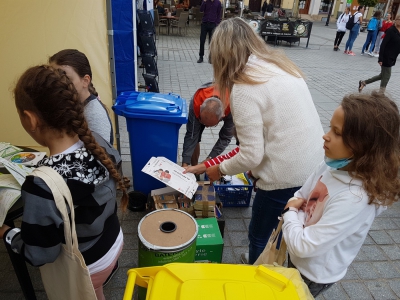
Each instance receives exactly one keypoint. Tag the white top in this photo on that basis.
(341, 22)
(342, 218)
(357, 17)
(278, 127)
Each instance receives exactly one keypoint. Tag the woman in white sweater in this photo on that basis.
(276, 122)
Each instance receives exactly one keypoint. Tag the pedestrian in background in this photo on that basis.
(385, 25)
(212, 16)
(341, 28)
(358, 17)
(388, 53)
(372, 28)
(264, 8)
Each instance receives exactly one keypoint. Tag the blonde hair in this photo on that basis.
(232, 43)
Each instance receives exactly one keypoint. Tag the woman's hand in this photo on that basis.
(213, 173)
(3, 229)
(297, 203)
(199, 169)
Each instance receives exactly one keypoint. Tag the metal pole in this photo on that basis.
(329, 14)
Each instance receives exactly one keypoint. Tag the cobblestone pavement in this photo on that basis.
(375, 273)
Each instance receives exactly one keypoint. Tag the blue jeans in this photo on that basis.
(371, 37)
(267, 207)
(352, 36)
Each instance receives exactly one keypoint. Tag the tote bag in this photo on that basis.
(271, 254)
(67, 277)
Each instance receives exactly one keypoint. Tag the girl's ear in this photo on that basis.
(30, 120)
(86, 81)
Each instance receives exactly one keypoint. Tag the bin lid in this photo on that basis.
(154, 103)
(215, 281)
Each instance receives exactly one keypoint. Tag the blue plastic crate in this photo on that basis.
(234, 195)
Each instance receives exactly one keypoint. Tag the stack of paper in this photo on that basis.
(10, 186)
(6, 149)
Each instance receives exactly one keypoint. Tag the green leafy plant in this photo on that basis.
(368, 3)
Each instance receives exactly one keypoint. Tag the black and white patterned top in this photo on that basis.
(79, 165)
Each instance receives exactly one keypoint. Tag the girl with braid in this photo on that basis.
(77, 67)
(53, 115)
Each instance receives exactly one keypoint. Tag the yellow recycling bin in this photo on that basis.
(184, 281)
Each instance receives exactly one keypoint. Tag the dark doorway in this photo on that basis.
(304, 6)
(255, 5)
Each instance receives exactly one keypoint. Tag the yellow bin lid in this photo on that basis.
(182, 281)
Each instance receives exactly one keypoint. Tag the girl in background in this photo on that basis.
(358, 179)
(77, 67)
(372, 28)
(385, 25)
(341, 28)
(52, 113)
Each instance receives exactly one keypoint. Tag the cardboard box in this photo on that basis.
(169, 198)
(204, 200)
(209, 243)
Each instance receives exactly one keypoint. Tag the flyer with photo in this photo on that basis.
(172, 175)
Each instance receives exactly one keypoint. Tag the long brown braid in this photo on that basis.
(52, 96)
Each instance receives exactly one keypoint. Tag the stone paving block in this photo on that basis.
(380, 290)
(369, 241)
(131, 242)
(365, 270)
(232, 212)
(386, 269)
(392, 251)
(239, 238)
(373, 253)
(361, 256)
(335, 292)
(227, 240)
(396, 221)
(130, 226)
(381, 237)
(351, 274)
(357, 290)
(395, 286)
(238, 251)
(235, 225)
(247, 222)
(395, 235)
(119, 279)
(128, 259)
(228, 256)
(384, 223)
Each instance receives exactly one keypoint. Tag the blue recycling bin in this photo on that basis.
(153, 121)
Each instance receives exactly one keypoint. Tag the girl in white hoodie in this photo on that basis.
(327, 221)
(341, 28)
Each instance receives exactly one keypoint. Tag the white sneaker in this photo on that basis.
(370, 54)
(376, 54)
(244, 257)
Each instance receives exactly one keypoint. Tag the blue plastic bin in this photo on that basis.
(233, 195)
(153, 121)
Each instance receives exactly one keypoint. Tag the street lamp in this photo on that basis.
(329, 14)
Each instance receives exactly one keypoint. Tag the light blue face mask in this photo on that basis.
(337, 163)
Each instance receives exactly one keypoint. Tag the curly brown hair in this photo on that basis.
(371, 131)
(50, 94)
